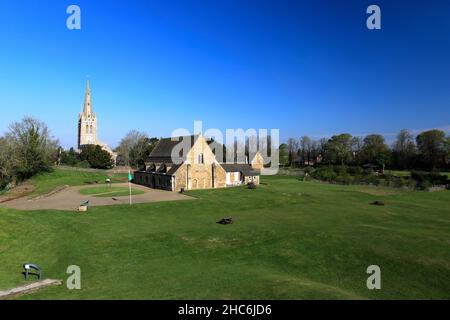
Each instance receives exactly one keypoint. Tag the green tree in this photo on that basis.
(447, 150)
(70, 158)
(96, 157)
(6, 162)
(431, 146)
(375, 150)
(284, 155)
(339, 149)
(140, 152)
(32, 149)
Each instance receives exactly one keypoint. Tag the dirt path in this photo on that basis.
(19, 191)
(70, 199)
(28, 288)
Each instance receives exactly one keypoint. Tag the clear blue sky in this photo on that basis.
(305, 67)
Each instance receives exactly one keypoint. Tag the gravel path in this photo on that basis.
(70, 199)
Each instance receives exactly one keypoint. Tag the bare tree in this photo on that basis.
(322, 148)
(357, 144)
(292, 146)
(305, 149)
(131, 140)
(404, 150)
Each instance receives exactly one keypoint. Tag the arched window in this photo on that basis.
(87, 128)
(91, 129)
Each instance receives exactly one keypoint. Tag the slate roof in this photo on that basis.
(163, 153)
(244, 168)
(163, 150)
(173, 169)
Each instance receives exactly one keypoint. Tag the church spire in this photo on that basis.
(87, 109)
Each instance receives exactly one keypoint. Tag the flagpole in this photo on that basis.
(129, 183)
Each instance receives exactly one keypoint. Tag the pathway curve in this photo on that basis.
(70, 198)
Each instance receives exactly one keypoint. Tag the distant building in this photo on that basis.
(193, 168)
(87, 126)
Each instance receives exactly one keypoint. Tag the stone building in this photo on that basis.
(87, 126)
(194, 166)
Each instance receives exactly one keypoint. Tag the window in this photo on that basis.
(200, 158)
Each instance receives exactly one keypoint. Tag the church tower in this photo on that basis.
(87, 122)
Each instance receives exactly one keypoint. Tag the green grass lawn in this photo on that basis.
(46, 182)
(399, 173)
(290, 240)
(407, 173)
(105, 191)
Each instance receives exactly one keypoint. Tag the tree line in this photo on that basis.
(133, 150)
(429, 150)
(27, 148)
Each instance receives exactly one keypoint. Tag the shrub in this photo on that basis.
(325, 174)
(308, 170)
(355, 170)
(423, 185)
(410, 183)
(425, 180)
(349, 175)
(96, 156)
(70, 158)
(399, 182)
(418, 176)
(344, 179)
(83, 164)
(369, 179)
(341, 170)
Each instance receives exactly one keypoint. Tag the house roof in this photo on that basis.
(163, 153)
(163, 150)
(244, 168)
(173, 169)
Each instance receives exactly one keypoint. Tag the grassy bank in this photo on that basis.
(290, 240)
(48, 181)
(105, 191)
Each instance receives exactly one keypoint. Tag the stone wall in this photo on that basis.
(202, 171)
(180, 178)
(220, 177)
(197, 172)
(257, 162)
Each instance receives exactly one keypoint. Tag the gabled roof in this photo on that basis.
(173, 169)
(243, 168)
(163, 150)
